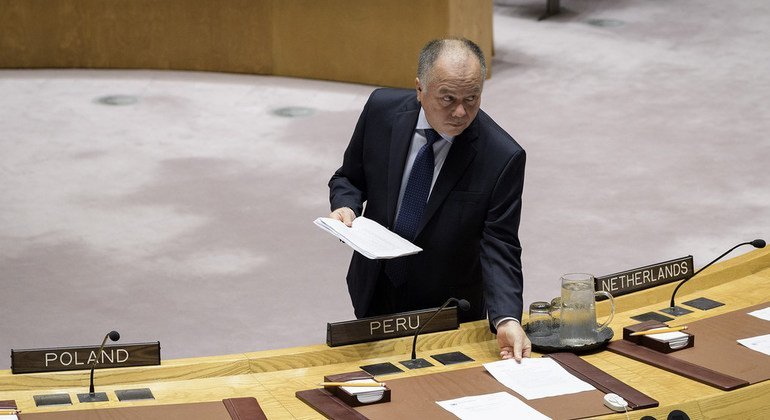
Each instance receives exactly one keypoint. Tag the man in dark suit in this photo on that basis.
(455, 192)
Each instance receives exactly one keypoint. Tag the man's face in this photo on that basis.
(452, 96)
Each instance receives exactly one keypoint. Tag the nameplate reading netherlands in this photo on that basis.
(389, 326)
(646, 277)
(81, 358)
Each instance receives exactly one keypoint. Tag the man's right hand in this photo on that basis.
(344, 215)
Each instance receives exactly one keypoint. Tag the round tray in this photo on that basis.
(552, 343)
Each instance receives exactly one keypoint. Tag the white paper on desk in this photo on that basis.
(762, 313)
(759, 343)
(8, 417)
(500, 405)
(674, 339)
(536, 378)
(369, 238)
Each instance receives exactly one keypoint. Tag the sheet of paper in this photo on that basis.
(675, 339)
(762, 313)
(8, 417)
(759, 343)
(365, 394)
(536, 378)
(669, 336)
(369, 238)
(500, 405)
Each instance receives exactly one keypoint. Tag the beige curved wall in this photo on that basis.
(371, 42)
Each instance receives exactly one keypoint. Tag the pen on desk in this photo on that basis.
(660, 330)
(355, 384)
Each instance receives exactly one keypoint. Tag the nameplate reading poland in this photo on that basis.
(645, 277)
(76, 358)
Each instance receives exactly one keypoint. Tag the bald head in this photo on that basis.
(458, 52)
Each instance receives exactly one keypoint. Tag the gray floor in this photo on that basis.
(187, 216)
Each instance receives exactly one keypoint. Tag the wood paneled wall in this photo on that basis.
(370, 42)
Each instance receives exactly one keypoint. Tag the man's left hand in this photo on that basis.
(513, 341)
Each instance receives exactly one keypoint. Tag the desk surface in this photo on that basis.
(273, 376)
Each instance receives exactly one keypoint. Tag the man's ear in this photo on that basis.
(418, 88)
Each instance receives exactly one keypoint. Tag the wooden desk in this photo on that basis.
(274, 376)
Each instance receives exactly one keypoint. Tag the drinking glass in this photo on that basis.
(540, 321)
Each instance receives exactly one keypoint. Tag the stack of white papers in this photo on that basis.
(760, 343)
(369, 238)
(536, 378)
(762, 313)
(675, 340)
(500, 405)
(365, 394)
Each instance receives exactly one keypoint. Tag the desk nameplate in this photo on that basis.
(80, 358)
(641, 278)
(389, 326)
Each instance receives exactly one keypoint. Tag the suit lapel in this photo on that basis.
(400, 139)
(460, 155)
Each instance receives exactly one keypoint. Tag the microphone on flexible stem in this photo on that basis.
(417, 363)
(92, 396)
(461, 303)
(678, 310)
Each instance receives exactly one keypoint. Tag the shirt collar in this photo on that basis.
(422, 124)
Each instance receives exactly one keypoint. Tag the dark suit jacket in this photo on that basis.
(469, 232)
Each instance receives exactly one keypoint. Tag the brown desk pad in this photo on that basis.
(244, 408)
(8, 405)
(329, 405)
(415, 397)
(603, 381)
(716, 359)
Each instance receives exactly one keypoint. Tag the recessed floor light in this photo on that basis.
(606, 23)
(117, 100)
(294, 111)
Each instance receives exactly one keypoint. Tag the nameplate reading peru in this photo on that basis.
(389, 326)
(76, 358)
(645, 277)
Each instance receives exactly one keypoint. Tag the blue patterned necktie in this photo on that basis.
(413, 203)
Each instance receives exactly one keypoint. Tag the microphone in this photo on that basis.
(461, 303)
(678, 311)
(92, 396)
